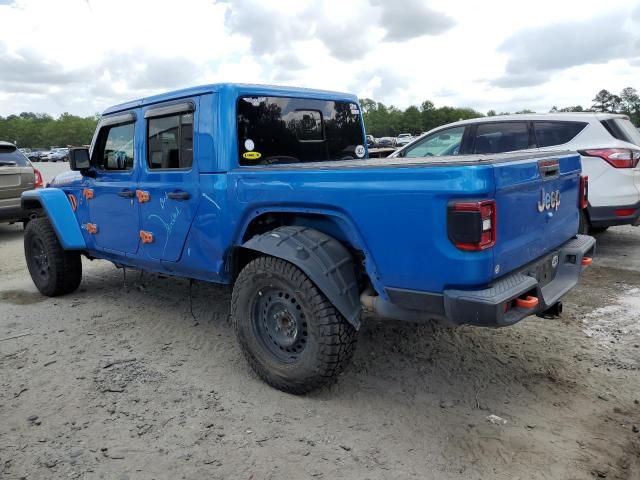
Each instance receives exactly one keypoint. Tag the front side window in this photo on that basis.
(443, 143)
(501, 137)
(170, 142)
(549, 134)
(114, 149)
(278, 130)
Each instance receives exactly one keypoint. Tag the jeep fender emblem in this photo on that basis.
(549, 200)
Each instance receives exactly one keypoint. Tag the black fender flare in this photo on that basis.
(322, 258)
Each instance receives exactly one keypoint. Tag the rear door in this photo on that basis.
(16, 176)
(168, 188)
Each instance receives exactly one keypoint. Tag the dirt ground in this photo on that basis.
(119, 381)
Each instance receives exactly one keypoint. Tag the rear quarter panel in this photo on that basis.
(395, 216)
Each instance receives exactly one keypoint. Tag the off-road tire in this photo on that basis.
(330, 338)
(54, 271)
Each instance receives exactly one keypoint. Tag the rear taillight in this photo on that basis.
(584, 192)
(472, 225)
(624, 212)
(39, 183)
(616, 157)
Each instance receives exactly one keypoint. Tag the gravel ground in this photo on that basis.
(120, 381)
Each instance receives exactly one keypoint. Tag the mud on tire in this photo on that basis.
(291, 335)
(53, 270)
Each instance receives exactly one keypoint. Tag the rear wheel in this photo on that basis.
(53, 270)
(290, 334)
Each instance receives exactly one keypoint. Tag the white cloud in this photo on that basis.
(83, 55)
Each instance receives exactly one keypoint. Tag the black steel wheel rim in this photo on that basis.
(280, 324)
(39, 258)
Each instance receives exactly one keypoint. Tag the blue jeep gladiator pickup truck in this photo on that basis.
(271, 190)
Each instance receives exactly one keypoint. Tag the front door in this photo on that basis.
(168, 186)
(113, 210)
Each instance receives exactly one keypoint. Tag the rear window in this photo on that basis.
(11, 156)
(556, 133)
(622, 129)
(277, 130)
(501, 137)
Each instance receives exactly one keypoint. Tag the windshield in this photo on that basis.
(276, 130)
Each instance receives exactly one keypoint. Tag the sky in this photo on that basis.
(81, 56)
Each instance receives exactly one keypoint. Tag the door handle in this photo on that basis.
(179, 195)
(126, 193)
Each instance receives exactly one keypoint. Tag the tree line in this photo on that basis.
(381, 120)
(39, 130)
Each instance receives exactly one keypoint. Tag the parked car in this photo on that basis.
(16, 176)
(57, 155)
(608, 143)
(403, 139)
(33, 156)
(309, 232)
(386, 142)
(371, 142)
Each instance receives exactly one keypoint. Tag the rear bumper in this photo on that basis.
(607, 217)
(495, 306)
(10, 210)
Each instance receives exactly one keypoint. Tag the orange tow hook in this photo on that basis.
(586, 261)
(529, 302)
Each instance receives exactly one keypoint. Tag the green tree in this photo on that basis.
(630, 104)
(39, 130)
(605, 101)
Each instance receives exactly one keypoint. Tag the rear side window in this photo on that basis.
(501, 137)
(114, 147)
(12, 157)
(556, 133)
(279, 130)
(622, 129)
(170, 142)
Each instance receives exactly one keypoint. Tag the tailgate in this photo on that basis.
(11, 181)
(531, 220)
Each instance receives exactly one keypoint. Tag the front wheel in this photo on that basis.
(53, 270)
(290, 334)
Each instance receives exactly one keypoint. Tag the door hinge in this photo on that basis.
(142, 196)
(87, 193)
(146, 237)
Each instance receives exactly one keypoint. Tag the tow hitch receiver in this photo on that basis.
(554, 311)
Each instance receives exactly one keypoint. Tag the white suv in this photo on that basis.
(608, 142)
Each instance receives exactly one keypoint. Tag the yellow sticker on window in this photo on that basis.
(252, 155)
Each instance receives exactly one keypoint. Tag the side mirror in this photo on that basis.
(79, 158)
